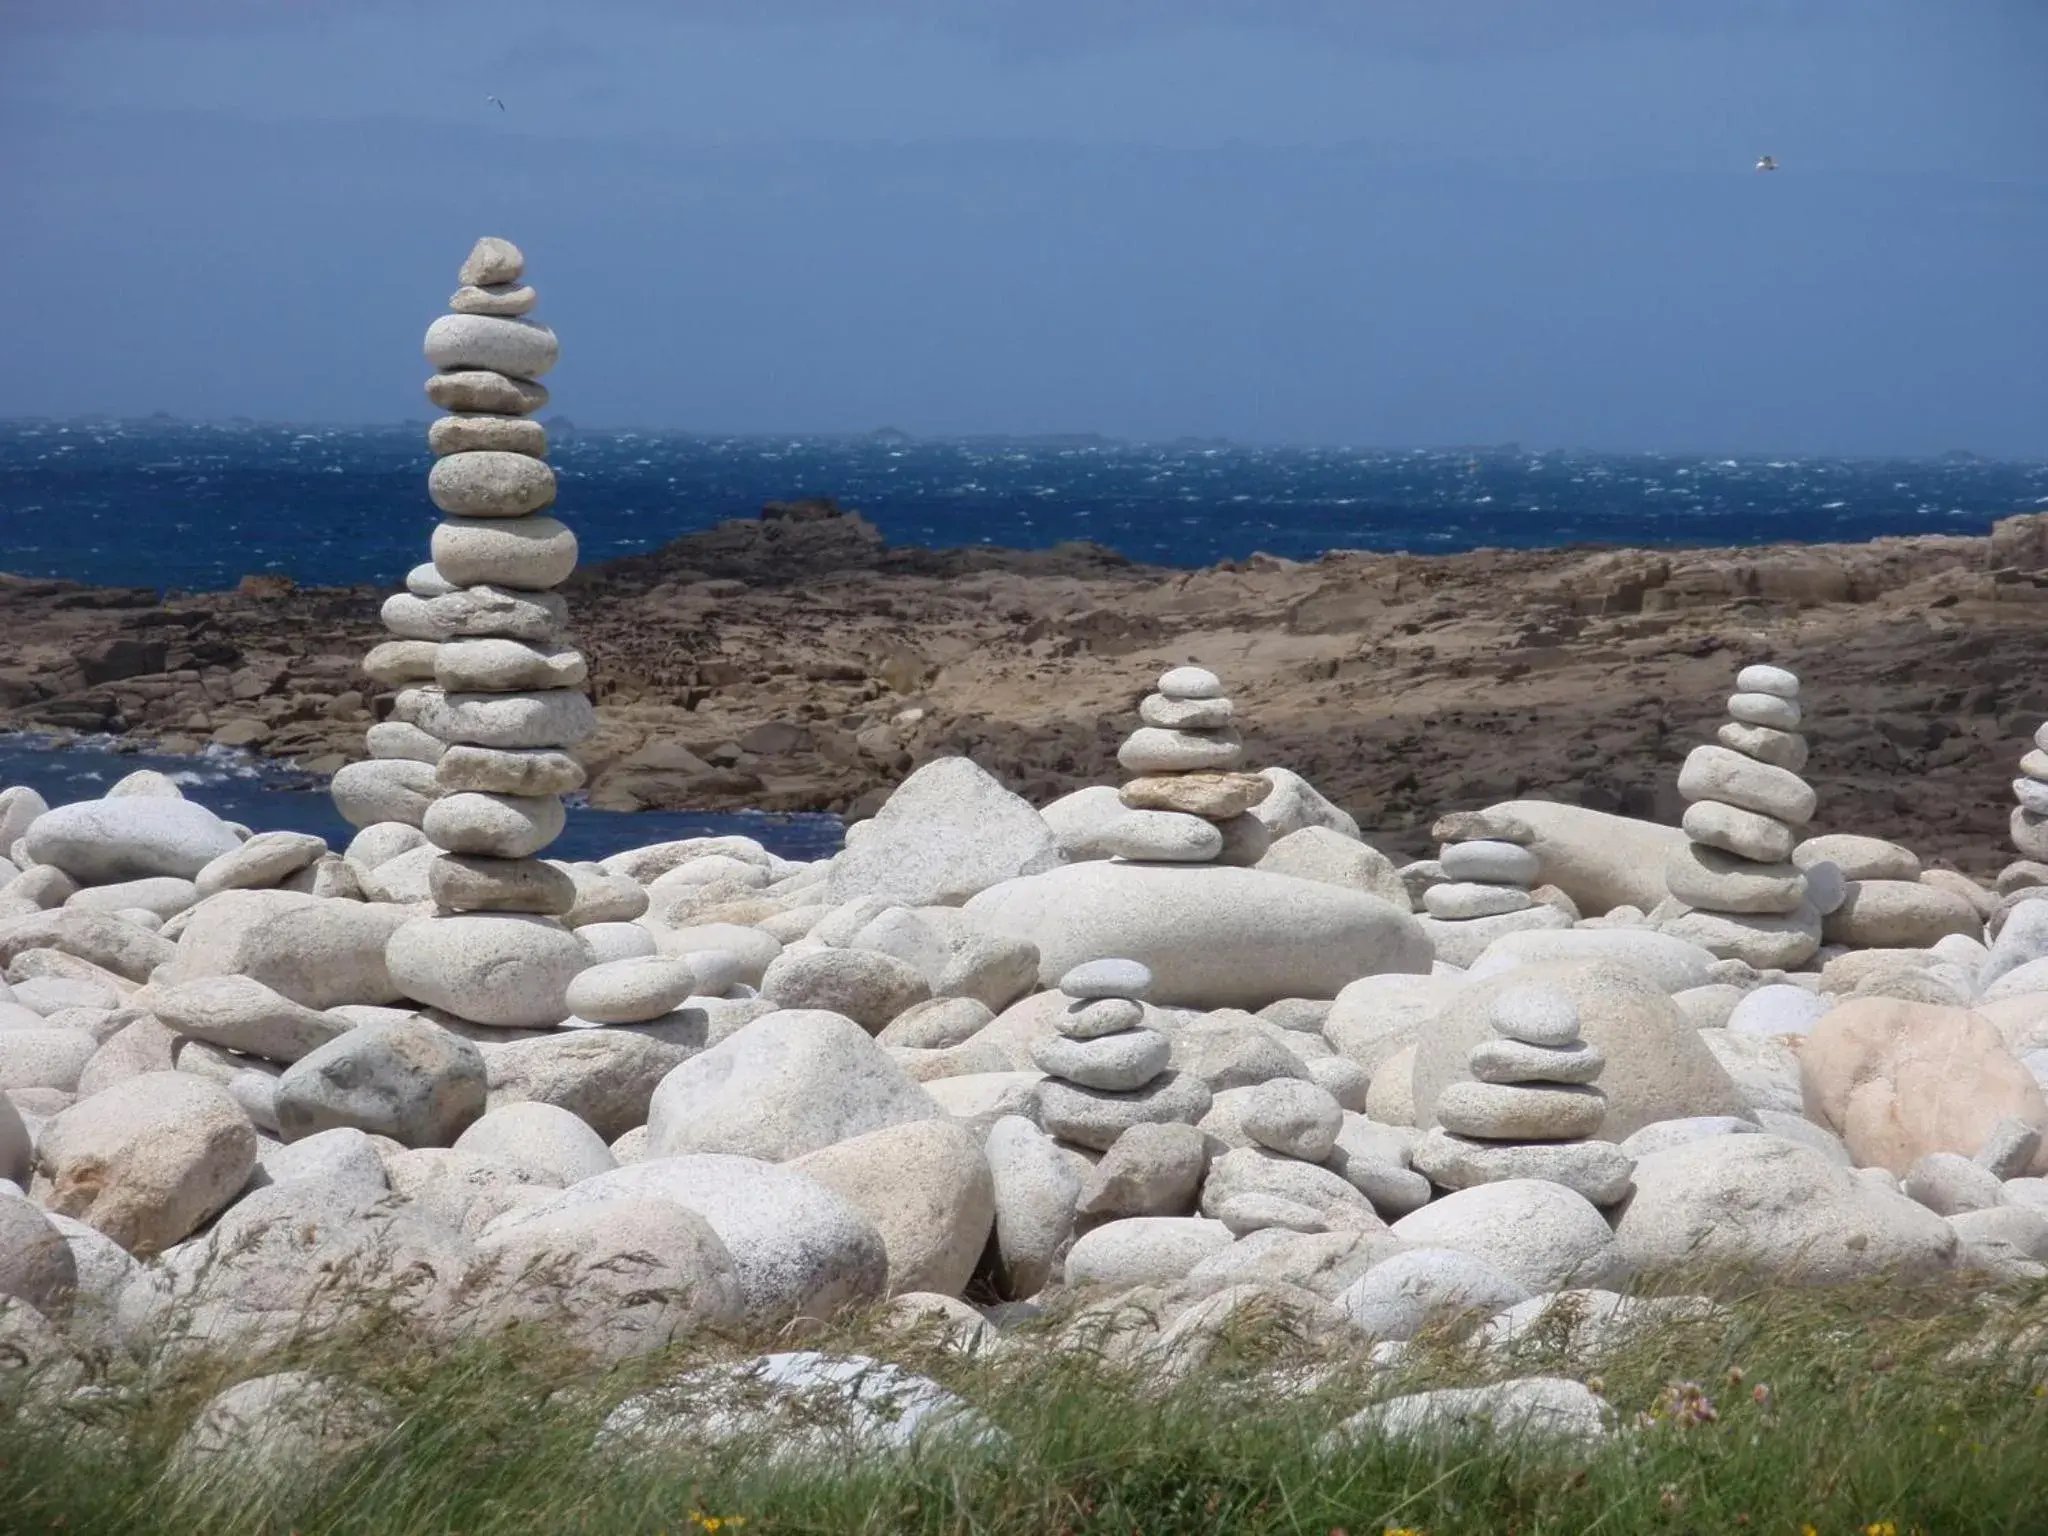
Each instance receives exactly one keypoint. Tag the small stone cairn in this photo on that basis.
(1488, 874)
(1105, 1070)
(491, 694)
(1529, 1108)
(1188, 803)
(2030, 817)
(1734, 888)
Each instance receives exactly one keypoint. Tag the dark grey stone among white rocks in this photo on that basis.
(415, 1082)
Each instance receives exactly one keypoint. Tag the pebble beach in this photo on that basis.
(1634, 961)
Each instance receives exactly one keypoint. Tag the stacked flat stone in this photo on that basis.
(1105, 1070)
(1488, 873)
(1530, 1107)
(2030, 816)
(1734, 888)
(493, 694)
(1188, 803)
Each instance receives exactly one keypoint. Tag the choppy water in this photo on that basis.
(270, 799)
(162, 504)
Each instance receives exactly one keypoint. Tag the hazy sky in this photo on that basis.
(1364, 221)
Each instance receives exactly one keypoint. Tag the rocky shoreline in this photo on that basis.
(796, 662)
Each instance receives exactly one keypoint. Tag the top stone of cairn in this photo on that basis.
(1108, 978)
(1535, 1016)
(492, 261)
(1190, 683)
(1775, 681)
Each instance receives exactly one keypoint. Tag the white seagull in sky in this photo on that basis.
(1767, 163)
(494, 101)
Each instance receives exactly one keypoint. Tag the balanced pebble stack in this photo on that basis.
(1734, 888)
(1529, 1108)
(1488, 872)
(1106, 1071)
(2030, 816)
(1188, 803)
(494, 694)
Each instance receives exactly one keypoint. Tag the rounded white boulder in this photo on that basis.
(492, 968)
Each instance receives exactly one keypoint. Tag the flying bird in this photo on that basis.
(1768, 163)
(495, 102)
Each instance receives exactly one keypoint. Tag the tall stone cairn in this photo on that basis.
(1734, 888)
(2030, 817)
(1189, 803)
(493, 694)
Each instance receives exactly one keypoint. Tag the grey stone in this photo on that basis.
(383, 789)
(1092, 1118)
(1108, 978)
(1292, 1117)
(502, 969)
(947, 833)
(289, 1430)
(519, 349)
(800, 1250)
(503, 771)
(1772, 1210)
(864, 985)
(1781, 749)
(1426, 1287)
(100, 842)
(1150, 1170)
(1532, 1016)
(149, 1160)
(1719, 881)
(1728, 778)
(263, 860)
(617, 1278)
(1373, 1159)
(605, 1077)
(524, 553)
(469, 883)
(2009, 1149)
(1542, 1234)
(1532, 1410)
(1144, 1250)
(1172, 837)
(468, 432)
(489, 665)
(239, 1013)
(1598, 1170)
(927, 1187)
(1663, 1135)
(1490, 861)
(487, 482)
(414, 1082)
(805, 1409)
(1114, 1063)
(1212, 936)
(1744, 833)
(548, 1142)
(1036, 1191)
(1512, 1061)
(315, 950)
(1948, 1184)
(36, 1264)
(786, 1084)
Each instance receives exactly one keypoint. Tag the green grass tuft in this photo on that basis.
(1873, 1411)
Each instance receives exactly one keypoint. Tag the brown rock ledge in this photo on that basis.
(796, 662)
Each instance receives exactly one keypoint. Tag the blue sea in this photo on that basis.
(195, 507)
(270, 798)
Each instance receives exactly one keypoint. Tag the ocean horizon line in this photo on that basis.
(1077, 439)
